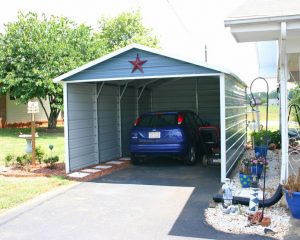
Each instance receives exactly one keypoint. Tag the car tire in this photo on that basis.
(191, 156)
(136, 160)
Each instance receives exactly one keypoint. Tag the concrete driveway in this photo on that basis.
(162, 199)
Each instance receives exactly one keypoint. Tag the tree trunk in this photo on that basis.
(52, 120)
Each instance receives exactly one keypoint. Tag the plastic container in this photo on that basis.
(293, 200)
(245, 180)
(256, 170)
(262, 150)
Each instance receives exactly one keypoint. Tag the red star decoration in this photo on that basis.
(137, 64)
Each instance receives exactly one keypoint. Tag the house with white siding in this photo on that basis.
(15, 115)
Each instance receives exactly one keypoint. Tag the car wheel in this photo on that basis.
(204, 160)
(136, 160)
(190, 157)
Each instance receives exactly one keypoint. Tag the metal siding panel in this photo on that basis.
(82, 125)
(79, 124)
(145, 102)
(156, 65)
(236, 120)
(83, 141)
(128, 115)
(209, 99)
(108, 117)
(175, 95)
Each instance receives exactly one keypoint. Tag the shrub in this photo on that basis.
(261, 137)
(23, 160)
(9, 160)
(275, 137)
(51, 160)
(39, 154)
(264, 137)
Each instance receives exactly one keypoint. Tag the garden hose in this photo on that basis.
(245, 201)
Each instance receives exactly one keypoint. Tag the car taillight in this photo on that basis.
(179, 119)
(137, 121)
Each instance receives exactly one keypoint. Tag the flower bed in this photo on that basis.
(239, 224)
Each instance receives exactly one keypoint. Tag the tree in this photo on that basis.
(126, 28)
(35, 50)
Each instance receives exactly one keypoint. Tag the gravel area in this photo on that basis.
(239, 223)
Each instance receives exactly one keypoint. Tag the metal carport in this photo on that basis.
(102, 99)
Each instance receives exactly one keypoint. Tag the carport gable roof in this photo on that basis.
(138, 62)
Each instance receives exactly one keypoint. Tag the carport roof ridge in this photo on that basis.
(146, 49)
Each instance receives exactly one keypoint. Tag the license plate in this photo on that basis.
(154, 135)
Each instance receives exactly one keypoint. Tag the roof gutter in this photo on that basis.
(260, 19)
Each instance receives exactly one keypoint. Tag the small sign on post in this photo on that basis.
(33, 107)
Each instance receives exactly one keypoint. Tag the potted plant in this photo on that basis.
(260, 141)
(257, 165)
(245, 173)
(292, 193)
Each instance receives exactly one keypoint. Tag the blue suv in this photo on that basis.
(172, 133)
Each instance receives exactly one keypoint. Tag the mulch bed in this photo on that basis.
(42, 170)
(38, 170)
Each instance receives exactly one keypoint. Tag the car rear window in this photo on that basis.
(158, 120)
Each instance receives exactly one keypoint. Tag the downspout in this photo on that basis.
(283, 103)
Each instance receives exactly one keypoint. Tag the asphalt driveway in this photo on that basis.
(159, 200)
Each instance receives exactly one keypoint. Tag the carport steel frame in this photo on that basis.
(140, 90)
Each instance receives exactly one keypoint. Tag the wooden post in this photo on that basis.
(33, 138)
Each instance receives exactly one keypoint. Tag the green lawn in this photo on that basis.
(273, 116)
(10, 143)
(16, 190)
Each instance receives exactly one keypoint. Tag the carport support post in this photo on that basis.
(283, 104)
(98, 92)
(138, 98)
(120, 113)
(66, 127)
(223, 126)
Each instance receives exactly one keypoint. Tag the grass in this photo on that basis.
(16, 190)
(273, 116)
(11, 144)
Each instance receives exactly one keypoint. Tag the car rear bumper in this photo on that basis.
(172, 148)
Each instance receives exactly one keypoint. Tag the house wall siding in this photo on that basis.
(18, 112)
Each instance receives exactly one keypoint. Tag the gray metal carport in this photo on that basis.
(102, 99)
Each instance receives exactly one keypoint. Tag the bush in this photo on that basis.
(23, 160)
(39, 154)
(275, 137)
(51, 160)
(263, 137)
(9, 160)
